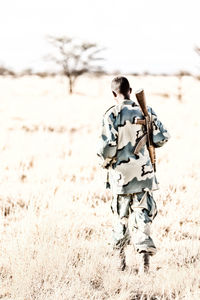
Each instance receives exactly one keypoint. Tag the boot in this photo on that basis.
(144, 264)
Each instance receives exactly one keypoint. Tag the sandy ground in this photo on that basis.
(56, 222)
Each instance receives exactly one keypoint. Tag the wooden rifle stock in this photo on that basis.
(142, 102)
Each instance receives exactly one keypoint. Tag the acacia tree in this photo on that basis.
(75, 57)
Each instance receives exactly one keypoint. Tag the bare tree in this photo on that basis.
(180, 76)
(75, 57)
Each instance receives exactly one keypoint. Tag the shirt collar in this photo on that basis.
(129, 102)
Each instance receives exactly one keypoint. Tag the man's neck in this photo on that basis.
(121, 98)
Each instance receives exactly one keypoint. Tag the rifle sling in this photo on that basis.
(140, 144)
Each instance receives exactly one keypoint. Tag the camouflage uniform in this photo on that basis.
(131, 176)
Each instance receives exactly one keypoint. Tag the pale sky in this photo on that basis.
(140, 35)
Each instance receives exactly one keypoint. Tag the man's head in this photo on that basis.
(120, 86)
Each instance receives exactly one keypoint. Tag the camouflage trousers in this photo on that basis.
(134, 214)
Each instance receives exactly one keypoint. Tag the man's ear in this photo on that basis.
(130, 90)
(115, 95)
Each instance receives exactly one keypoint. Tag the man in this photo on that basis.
(131, 176)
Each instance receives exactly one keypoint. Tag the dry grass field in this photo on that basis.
(56, 222)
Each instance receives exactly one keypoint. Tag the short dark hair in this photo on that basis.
(120, 85)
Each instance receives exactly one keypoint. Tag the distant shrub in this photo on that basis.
(45, 74)
(4, 71)
(182, 73)
(26, 72)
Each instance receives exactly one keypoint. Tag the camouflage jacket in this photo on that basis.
(128, 172)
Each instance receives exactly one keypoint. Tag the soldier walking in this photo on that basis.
(131, 176)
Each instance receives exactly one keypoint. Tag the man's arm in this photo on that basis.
(160, 134)
(107, 147)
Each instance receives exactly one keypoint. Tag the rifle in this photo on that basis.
(148, 124)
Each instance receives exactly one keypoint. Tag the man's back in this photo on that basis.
(129, 172)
